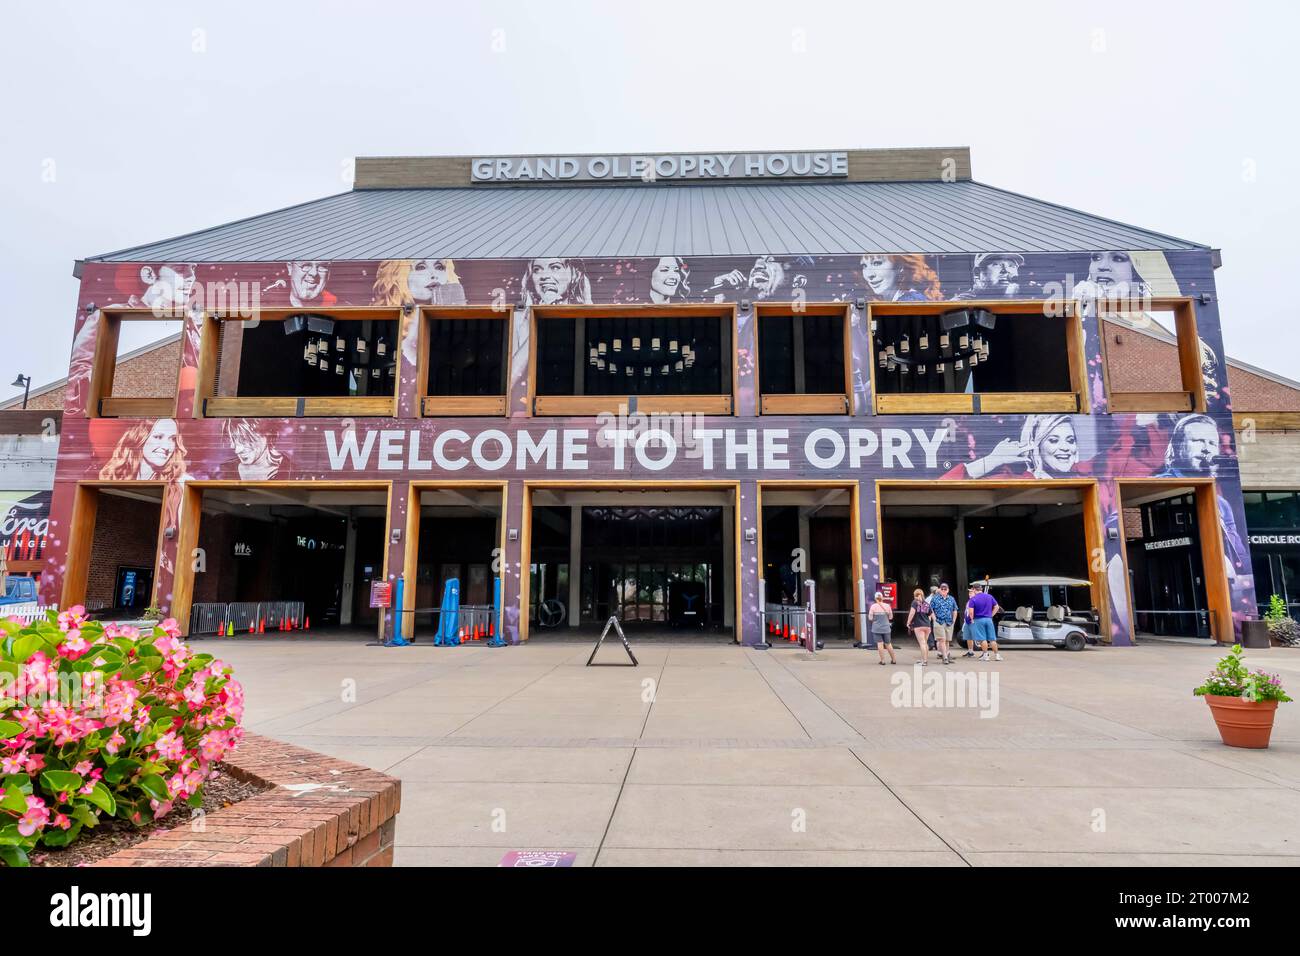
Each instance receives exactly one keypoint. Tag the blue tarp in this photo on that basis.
(449, 615)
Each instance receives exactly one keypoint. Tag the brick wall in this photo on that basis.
(339, 814)
(1140, 363)
(126, 533)
(151, 374)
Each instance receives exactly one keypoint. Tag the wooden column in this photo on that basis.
(187, 560)
(80, 539)
(1107, 570)
(1217, 593)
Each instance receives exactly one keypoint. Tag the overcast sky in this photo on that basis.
(131, 122)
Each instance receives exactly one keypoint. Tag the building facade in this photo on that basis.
(662, 388)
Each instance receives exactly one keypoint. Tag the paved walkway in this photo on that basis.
(713, 754)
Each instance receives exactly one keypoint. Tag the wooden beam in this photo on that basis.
(137, 407)
(1094, 537)
(81, 541)
(101, 371)
(188, 519)
(1152, 401)
(1218, 597)
(1189, 354)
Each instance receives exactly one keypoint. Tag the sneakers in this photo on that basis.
(969, 654)
(984, 656)
(997, 657)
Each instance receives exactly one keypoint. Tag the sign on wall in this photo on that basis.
(656, 167)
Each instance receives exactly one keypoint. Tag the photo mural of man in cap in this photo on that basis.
(995, 275)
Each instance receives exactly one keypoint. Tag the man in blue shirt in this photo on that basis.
(979, 622)
(944, 606)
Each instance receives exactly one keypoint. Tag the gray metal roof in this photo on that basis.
(648, 220)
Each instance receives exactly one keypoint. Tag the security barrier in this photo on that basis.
(231, 619)
(789, 623)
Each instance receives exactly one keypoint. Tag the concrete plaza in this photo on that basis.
(711, 753)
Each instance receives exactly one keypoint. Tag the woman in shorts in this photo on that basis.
(920, 620)
(881, 619)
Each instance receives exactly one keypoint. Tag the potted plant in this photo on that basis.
(1282, 627)
(1243, 703)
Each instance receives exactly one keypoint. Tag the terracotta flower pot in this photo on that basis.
(1243, 723)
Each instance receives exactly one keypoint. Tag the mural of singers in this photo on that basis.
(256, 458)
(556, 282)
(670, 280)
(164, 289)
(1194, 453)
(1048, 447)
(148, 451)
(418, 282)
(767, 278)
(995, 275)
(892, 278)
(302, 286)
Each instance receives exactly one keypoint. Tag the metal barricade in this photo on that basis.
(476, 622)
(786, 623)
(244, 617)
(206, 618)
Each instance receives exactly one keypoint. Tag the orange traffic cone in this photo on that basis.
(306, 623)
(252, 628)
(492, 628)
(221, 629)
(261, 625)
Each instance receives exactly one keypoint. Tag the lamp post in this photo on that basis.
(25, 383)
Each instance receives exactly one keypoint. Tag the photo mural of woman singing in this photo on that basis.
(895, 278)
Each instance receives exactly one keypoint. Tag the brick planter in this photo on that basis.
(321, 812)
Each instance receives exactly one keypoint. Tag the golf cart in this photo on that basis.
(1056, 624)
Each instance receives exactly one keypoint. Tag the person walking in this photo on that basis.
(934, 592)
(920, 621)
(979, 622)
(881, 616)
(944, 606)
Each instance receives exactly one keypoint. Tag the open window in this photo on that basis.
(1155, 361)
(136, 366)
(655, 358)
(803, 358)
(299, 363)
(464, 359)
(995, 358)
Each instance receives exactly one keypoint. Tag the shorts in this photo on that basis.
(879, 637)
(942, 632)
(981, 629)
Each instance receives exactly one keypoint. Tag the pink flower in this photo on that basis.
(169, 746)
(35, 818)
(72, 618)
(114, 743)
(61, 821)
(82, 768)
(12, 764)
